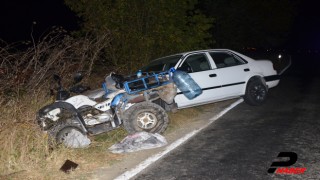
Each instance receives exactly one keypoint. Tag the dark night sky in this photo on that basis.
(306, 28)
(17, 17)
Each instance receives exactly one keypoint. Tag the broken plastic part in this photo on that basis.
(139, 141)
(76, 139)
(68, 166)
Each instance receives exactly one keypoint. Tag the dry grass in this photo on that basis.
(25, 79)
(25, 152)
(184, 116)
(28, 66)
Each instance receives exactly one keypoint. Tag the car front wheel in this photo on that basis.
(256, 92)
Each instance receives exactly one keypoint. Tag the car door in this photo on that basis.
(201, 68)
(232, 71)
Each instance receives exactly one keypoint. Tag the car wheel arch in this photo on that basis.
(251, 78)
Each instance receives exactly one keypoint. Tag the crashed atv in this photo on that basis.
(139, 104)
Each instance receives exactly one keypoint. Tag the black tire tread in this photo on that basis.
(162, 116)
(53, 132)
(248, 98)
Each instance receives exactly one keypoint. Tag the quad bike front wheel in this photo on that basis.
(68, 134)
(145, 116)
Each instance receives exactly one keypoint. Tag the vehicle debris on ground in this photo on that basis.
(139, 141)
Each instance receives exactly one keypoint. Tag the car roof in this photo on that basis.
(205, 50)
(195, 51)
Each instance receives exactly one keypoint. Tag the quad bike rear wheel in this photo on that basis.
(145, 116)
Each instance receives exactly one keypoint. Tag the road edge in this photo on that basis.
(144, 164)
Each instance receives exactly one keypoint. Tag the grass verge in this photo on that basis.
(25, 152)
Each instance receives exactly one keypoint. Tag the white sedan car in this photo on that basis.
(222, 74)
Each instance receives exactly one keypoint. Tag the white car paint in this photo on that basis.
(224, 76)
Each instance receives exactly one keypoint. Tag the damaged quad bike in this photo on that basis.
(139, 104)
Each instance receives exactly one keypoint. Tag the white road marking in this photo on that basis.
(134, 171)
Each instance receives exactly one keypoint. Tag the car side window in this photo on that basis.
(195, 63)
(222, 59)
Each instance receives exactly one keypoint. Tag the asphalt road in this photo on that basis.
(243, 143)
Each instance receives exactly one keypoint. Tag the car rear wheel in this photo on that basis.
(256, 92)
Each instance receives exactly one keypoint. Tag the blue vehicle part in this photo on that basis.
(186, 84)
(116, 100)
(148, 81)
(104, 86)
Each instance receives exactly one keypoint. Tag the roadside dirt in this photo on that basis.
(130, 160)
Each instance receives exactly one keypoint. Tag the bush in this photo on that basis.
(27, 67)
(26, 70)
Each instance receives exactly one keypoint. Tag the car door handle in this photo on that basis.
(212, 75)
(246, 69)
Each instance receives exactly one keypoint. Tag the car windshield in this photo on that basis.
(162, 64)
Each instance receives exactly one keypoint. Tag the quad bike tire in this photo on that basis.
(145, 116)
(256, 92)
(60, 131)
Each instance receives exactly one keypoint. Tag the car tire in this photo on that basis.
(59, 132)
(145, 116)
(256, 92)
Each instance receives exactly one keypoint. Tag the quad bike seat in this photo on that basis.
(95, 94)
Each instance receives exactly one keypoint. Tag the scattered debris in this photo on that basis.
(139, 141)
(76, 139)
(68, 166)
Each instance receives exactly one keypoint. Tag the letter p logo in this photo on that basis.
(293, 157)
